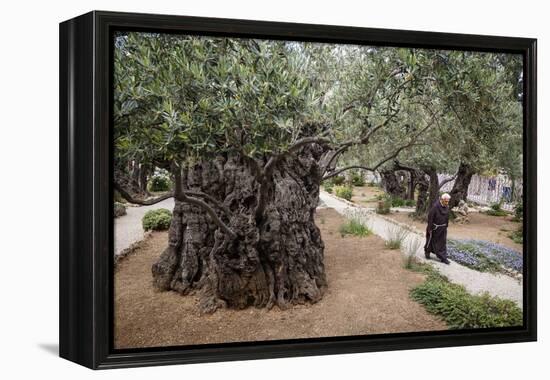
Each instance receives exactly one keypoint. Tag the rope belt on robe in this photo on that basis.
(438, 225)
(435, 228)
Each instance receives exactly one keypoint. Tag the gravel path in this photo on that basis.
(128, 228)
(475, 282)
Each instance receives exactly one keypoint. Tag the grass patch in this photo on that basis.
(383, 206)
(410, 258)
(328, 187)
(400, 202)
(410, 202)
(496, 210)
(338, 180)
(393, 244)
(354, 227)
(396, 237)
(460, 309)
(344, 192)
(518, 212)
(372, 199)
(357, 180)
(517, 236)
(496, 213)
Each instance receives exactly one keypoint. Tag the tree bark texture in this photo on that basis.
(433, 190)
(126, 178)
(460, 187)
(428, 191)
(422, 202)
(392, 184)
(144, 174)
(411, 185)
(275, 259)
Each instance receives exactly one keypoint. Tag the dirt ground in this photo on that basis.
(481, 227)
(368, 294)
(366, 195)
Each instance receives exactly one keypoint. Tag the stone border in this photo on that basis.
(131, 249)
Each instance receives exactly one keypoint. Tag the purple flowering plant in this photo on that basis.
(484, 256)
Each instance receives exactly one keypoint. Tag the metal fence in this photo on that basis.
(482, 190)
(489, 190)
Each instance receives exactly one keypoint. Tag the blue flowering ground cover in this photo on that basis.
(484, 256)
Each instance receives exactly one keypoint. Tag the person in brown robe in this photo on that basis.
(436, 230)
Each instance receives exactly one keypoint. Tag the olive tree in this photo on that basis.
(476, 100)
(248, 130)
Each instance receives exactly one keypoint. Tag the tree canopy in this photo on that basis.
(187, 98)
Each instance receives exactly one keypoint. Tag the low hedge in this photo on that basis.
(157, 220)
(462, 310)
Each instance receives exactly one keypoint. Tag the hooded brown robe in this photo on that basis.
(436, 231)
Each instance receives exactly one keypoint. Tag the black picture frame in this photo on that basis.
(86, 233)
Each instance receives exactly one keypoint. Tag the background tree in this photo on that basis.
(478, 90)
(476, 99)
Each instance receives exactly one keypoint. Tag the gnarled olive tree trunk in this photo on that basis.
(126, 178)
(422, 201)
(462, 182)
(276, 257)
(392, 184)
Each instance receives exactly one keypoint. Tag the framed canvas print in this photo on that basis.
(237, 189)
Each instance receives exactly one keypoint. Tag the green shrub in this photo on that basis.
(518, 212)
(496, 206)
(517, 236)
(345, 192)
(328, 186)
(354, 227)
(383, 206)
(119, 209)
(157, 220)
(400, 202)
(397, 202)
(357, 179)
(496, 210)
(338, 180)
(460, 309)
(410, 202)
(496, 213)
(159, 183)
